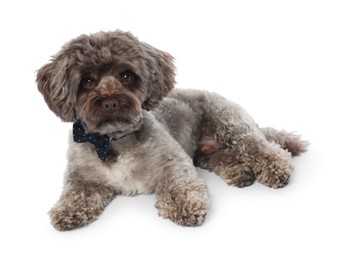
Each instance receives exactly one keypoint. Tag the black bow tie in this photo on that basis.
(101, 142)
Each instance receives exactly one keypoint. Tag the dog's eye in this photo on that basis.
(88, 82)
(127, 78)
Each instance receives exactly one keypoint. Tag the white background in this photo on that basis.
(289, 63)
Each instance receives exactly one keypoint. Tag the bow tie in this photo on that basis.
(101, 142)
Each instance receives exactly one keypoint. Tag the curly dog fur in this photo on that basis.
(119, 87)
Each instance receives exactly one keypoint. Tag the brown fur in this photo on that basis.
(80, 204)
(59, 80)
(109, 81)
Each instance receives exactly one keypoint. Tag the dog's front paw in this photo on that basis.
(80, 204)
(69, 218)
(188, 208)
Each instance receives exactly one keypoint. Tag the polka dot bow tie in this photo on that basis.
(101, 142)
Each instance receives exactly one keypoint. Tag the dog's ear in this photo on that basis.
(162, 76)
(58, 87)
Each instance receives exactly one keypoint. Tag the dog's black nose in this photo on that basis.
(110, 105)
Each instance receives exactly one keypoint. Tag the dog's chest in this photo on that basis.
(127, 175)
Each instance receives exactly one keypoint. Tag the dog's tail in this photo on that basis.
(288, 141)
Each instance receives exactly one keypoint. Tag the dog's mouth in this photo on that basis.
(119, 113)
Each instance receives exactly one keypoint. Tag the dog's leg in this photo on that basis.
(258, 159)
(80, 204)
(235, 169)
(272, 166)
(246, 154)
(182, 197)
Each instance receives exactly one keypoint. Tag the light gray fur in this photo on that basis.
(160, 151)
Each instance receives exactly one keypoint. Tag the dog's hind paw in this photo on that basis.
(275, 175)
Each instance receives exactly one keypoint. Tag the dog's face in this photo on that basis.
(110, 100)
(105, 80)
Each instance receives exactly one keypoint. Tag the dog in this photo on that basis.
(134, 134)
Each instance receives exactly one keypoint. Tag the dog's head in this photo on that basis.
(105, 80)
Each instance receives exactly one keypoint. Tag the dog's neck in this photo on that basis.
(100, 141)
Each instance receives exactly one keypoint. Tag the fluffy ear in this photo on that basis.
(58, 87)
(162, 76)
